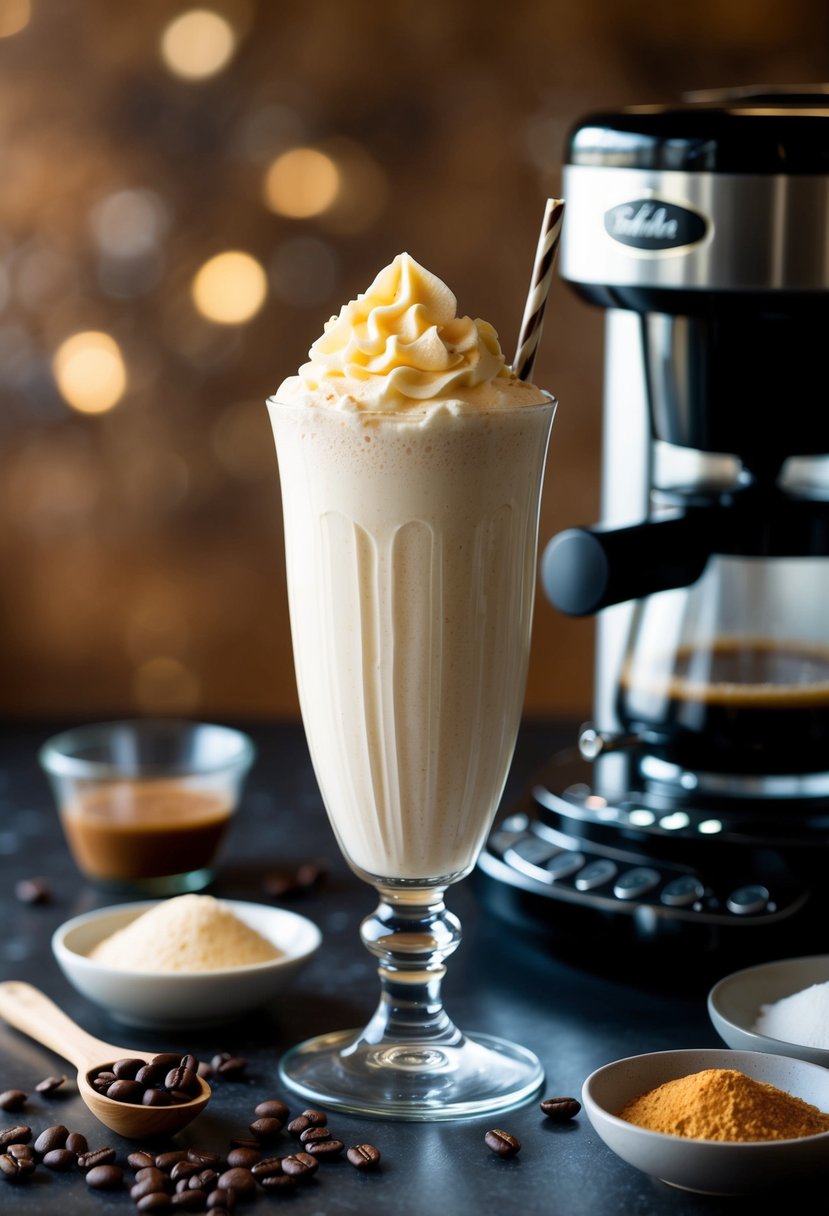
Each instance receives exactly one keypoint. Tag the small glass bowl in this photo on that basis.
(145, 804)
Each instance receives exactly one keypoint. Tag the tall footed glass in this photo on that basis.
(411, 554)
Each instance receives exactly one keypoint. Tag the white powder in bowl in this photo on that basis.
(800, 1018)
(188, 933)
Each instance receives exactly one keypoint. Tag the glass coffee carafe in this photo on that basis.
(731, 674)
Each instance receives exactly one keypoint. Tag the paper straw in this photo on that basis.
(542, 277)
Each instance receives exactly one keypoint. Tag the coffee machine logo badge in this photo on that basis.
(651, 223)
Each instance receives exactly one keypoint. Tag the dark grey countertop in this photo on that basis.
(501, 981)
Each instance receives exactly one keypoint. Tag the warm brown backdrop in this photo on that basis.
(140, 548)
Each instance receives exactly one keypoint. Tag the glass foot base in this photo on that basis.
(418, 1082)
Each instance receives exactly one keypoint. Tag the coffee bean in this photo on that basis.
(49, 1084)
(12, 1100)
(59, 1159)
(153, 1201)
(231, 1068)
(283, 1183)
(204, 1180)
(221, 1202)
(166, 1161)
(23, 1152)
(183, 1079)
(15, 1169)
(297, 1126)
(140, 1160)
(190, 1201)
(205, 1070)
(52, 1137)
(244, 1142)
(272, 1108)
(560, 1109)
(201, 1157)
(98, 1156)
(33, 891)
(126, 1069)
(19, 1134)
(317, 1118)
(314, 1135)
(158, 1183)
(152, 1173)
(166, 1061)
(243, 1157)
(285, 884)
(266, 1168)
(131, 1092)
(364, 1156)
(76, 1143)
(324, 1148)
(150, 1075)
(158, 1097)
(183, 1169)
(105, 1177)
(189, 1062)
(300, 1165)
(503, 1144)
(102, 1080)
(266, 1130)
(239, 1180)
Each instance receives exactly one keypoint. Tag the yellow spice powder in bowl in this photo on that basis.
(184, 962)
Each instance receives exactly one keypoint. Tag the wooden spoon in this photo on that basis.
(29, 1010)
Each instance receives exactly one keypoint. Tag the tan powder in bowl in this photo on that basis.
(188, 933)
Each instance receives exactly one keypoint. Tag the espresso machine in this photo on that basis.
(693, 810)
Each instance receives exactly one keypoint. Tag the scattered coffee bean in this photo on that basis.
(51, 1137)
(299, 1125)
(266, 1130)
(140, 1160)
(205, 1180)
(315, 1135)
(300, 1165)
(189, 1201)
(272, 1108)
(325, 1148)
(49, 1084)
(76, 1143)
(19, 1134)
(503, 1144)
(33, 891)
(220, 1202)
(244, 1142)
(98, 1156)
(23, 1152)
(183, 1169)
(283, 1183)
(150, 1184)
(205, 1070)
(286, 884)
(560, 1109)
(239, 1180)
(16, 1169)
(105, 1177)
(12, 1100)
(59, 1159)
(153, 1201)
(166, 1161)
(200, 1157)
(364, 1156)
(231, 1068)
(266, 1168)
(317, 1118)
(243, 1158)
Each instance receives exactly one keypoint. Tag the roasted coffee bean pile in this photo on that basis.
(168, 1080)
(190, 1180)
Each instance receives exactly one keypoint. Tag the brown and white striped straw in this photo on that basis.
(533, 319)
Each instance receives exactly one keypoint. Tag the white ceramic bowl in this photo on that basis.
(709, 1166)
(156, 999)
(735, 1002)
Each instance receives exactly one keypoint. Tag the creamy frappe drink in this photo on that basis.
(411, 461)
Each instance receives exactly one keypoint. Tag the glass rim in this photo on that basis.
(56, 758)
(550, 401)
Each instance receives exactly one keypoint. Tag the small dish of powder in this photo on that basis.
(802, 1017)
(190, 960)
(185, 934)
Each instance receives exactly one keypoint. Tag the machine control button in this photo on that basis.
(530, 855)
(564, 864)
(596, 873)
(680, 892)
(747, 901)
(636, 882)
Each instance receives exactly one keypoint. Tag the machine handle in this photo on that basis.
(586, 569)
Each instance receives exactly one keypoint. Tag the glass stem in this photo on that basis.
(412, 934)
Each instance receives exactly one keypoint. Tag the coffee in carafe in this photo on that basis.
(740, 705)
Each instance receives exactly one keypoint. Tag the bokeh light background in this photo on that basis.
(188, 192)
